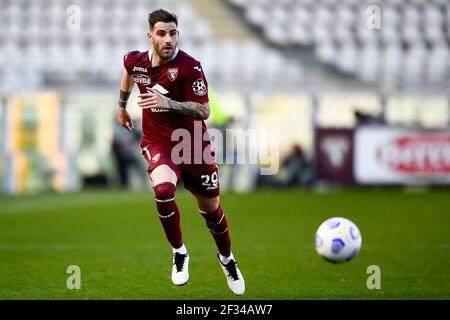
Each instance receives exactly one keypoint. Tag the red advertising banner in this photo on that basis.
(401, 156)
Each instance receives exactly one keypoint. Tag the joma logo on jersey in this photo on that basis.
(139, 69)
(141, 79)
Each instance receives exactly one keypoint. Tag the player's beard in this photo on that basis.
(165, 54)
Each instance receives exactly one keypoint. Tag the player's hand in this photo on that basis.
(124, 119)
(153, 99)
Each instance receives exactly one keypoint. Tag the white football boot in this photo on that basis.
(233, 275)
(180, 269)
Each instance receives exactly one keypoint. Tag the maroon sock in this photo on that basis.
(168, 213)
(218, 226)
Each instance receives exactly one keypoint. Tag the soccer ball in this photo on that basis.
(338, 240)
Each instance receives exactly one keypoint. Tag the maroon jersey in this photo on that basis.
(181, 79)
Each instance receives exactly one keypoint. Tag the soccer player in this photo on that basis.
(174, 96)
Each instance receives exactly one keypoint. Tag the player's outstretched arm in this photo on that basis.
(123, 117)
(189, 108)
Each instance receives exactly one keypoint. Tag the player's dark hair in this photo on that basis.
(161, 15)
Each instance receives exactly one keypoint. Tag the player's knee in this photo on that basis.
(164, 192)
(210, 206)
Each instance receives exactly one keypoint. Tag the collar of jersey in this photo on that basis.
(173, 56)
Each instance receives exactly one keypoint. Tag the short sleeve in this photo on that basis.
(127, 60)
(196, 85)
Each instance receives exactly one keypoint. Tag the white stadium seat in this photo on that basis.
(412, 44)
(397, 46)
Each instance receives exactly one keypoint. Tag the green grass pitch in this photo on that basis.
(117, 241)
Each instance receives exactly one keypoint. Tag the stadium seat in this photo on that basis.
(328, 29)
(43, 33)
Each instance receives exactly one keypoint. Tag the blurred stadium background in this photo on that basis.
(298, 66)
(361, 87)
